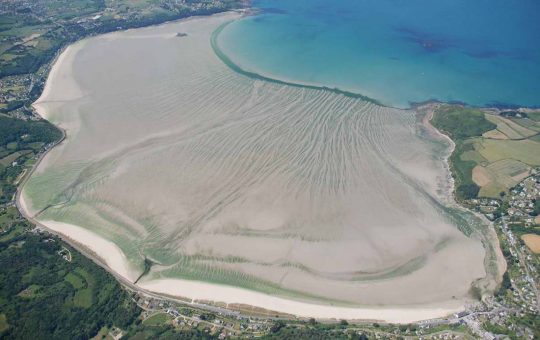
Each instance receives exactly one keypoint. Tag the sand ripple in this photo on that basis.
(218, 177)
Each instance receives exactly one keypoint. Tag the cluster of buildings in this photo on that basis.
(15, 88)
(65, 254)
(525, 278)
(520, 299)
(488, 206)
(216, 322)
(442, 336)
(226, 323)
(522, 200)
(519, 204)
(14, 92)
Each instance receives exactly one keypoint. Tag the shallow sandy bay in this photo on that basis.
(300, 200)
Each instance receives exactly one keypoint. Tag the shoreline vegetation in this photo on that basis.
(466, 191)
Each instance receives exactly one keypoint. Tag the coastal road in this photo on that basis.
(523, 264)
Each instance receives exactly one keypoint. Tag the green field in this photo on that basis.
(84, 295)
(510, 128)
(83, 298)
(504, 147)
(461, 124)
(504, 174)
(12, 233)
(157, 319)
(75, 280)
(9, 159)
(4, 325)
(528, 123)
(534, 115)
(525, 151)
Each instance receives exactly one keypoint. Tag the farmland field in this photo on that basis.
(493, 152)
(503, 175)
(532, 241)
(508, 171)
(509, 128)
(9, 159)
(525, 151)
(157, 319)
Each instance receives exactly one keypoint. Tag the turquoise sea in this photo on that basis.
(481, 52)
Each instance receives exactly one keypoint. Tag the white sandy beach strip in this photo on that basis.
(212, 292)
(23, 205)
(109, 252)
(60, 76)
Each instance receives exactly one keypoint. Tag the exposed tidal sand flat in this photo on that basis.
(301, 196)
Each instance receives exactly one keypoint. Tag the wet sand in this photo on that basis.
(287, 198)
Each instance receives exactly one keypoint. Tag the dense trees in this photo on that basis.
(26, 132)
(38, 297)
(536, 208)
(319, 331)
(462, 123)
(467, 191)
(20, 140)
(166, 332)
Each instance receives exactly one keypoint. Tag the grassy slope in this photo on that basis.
(157, 319)
(461, 124)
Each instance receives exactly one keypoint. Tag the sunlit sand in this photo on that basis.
(294, 199)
